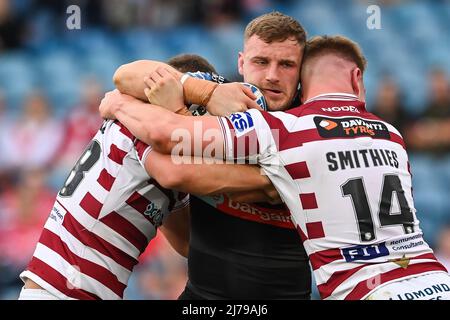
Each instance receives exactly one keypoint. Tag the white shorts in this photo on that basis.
(433, 286)
(36, 294)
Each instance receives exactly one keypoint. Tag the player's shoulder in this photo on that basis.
(389, 127)
(114, 136)
(117, 130)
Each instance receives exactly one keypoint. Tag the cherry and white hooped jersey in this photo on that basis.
(344, 175)
(103, 218)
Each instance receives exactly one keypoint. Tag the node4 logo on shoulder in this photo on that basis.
(154, 213)
(341, 109)
(242, 122)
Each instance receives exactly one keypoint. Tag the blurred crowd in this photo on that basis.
(18, 19)
(39, 144)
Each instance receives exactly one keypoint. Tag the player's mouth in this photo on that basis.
(272, 93)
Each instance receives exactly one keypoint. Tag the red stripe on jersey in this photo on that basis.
(425, 256)
(326, 289)
(289, 140)
(168, 193)
(298, 138)
(116, 154)
(298, 170)
(302, 234)
(99, 273)
(93, 241)
(315, 230)
(224, 134)
(230, 126)
(245, 145)
(126, 229)
(308, 201)
(321, 258)
(91, 205)
(364, 287)
(106, 180)
(276, 124)
(57, 280)
(140, 204)
(397, 139)
(140, 147)
(124, 130)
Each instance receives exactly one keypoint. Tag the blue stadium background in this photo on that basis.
(39, 54)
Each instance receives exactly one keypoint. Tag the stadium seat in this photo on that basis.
(143, 44)
(17, 78)
(60, 75)
(430, 193)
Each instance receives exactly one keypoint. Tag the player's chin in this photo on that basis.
(277, 104)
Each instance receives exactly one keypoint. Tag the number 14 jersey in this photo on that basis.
(344, 175)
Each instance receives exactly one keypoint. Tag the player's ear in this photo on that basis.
(241, 63)
(356, 79)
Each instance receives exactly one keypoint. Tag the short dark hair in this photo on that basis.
(275, 26)
(191, 63)
(338, 45)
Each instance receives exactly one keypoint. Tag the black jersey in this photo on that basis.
(243, 251)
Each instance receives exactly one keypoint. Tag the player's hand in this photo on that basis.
(231, 97)
(164, 89)
(111, 103)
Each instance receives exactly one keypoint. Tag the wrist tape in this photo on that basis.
(198, 91)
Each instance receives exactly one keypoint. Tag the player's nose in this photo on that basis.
(272, 73)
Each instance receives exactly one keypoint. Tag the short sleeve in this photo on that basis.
(142, 151)
(247, 135)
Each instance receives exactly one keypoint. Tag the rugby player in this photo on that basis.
(110, 208)
(342, 171)
(235, 247)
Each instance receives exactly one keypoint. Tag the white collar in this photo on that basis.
(333, 96)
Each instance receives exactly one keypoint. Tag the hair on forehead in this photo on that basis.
(275, 26)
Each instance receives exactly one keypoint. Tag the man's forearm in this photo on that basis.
(229, 98)
(226, 178)
(148, 123)
(176, 229)
(269, 195)
(129, 78)
(200, 178)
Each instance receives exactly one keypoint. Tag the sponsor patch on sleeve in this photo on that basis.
(242, 123)
(365, 252)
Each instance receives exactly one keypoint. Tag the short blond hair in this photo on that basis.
(275, 26)
(338, 45)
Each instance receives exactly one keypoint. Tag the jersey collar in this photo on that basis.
(338, 96)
